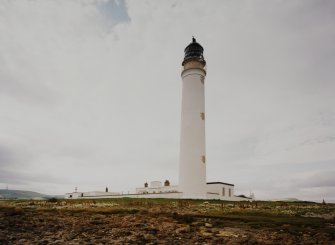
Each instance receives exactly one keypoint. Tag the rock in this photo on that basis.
(57, 242)
(152, 231)
(14, 211)
(166, 226)
(208, 225)
(148, 237)
(224, 233)
(186, 227)
(183, 229)
(204, 233)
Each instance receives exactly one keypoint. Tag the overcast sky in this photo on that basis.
(90, 94)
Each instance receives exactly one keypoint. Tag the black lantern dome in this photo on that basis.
(194, 51)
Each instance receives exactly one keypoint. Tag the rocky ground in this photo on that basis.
(165, 222)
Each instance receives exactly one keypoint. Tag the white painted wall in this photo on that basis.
(192, 170)
(98, 194)
(155, 184)
(161, 189)
(220, 191)
(173, 195)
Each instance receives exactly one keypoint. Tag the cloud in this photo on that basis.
(91, 92)
(6, 156)
(114, 11)
(318, 179)
(26, 178)
(13, 155)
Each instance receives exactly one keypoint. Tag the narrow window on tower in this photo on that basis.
(229, 192)
(202, 79)
(223, 191)
(203, 159)
(202, 115)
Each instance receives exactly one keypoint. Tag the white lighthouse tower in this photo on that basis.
(192, 166)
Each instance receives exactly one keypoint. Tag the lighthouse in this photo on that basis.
(192, 162)
(192, 165)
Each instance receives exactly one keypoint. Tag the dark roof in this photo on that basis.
(194, 51)
(212, 183)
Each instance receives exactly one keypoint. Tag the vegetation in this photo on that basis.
(208, 221)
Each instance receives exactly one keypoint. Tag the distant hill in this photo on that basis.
(20, 194)
(291, 199)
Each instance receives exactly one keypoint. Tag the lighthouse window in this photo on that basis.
(203, 159)
(202, 79)
(229, 192)
(202, 115)
(223, 191)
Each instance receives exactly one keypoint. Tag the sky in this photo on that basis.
(90, 94)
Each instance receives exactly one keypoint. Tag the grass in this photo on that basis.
(275, 216)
